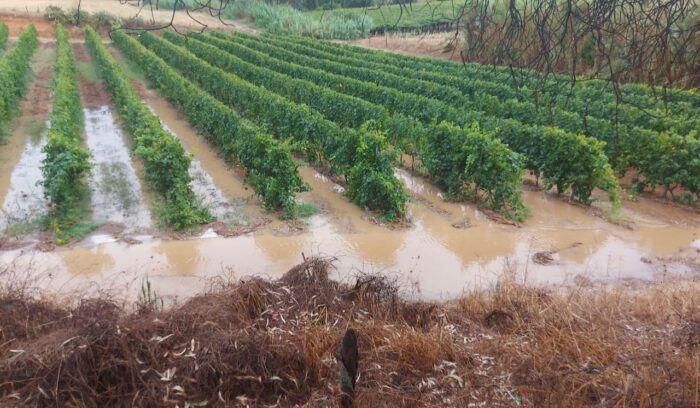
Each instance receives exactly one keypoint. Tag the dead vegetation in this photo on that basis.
(274, 343)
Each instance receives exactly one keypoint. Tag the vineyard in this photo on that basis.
(195, 218)
(266, 102)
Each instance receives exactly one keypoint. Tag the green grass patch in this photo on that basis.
(87, 71)
(305, 210)
(73, 224)
(24, 227)
(131, 68)
(34, 128)
(397, 17)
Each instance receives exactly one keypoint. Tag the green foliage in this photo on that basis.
(305, 210)
(14, 66)
(284, 118)
(671, 161)
(391, 17)
(74, 17)
(67, 161)
(402, 131)
(371, 181)
(541, 145)
(471, 163)
(166, 164)
(525, 81)
(523, 95)
(284, 19)
(269, 166)
(590, 108)
(570, 114)
(4, 33)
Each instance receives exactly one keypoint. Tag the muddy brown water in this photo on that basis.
(431, 259)
(448, 248)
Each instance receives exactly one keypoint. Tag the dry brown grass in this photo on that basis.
(272, 343)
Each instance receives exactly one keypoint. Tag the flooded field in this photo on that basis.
(450, 248)
(446, 248)
(24, 197)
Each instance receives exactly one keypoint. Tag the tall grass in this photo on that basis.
(285, 19)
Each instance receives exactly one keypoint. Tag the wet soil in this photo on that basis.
(21, 197)
(449, 247)
(116, 193)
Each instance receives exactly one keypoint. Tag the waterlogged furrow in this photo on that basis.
(270, 168)
(165, 161)
(25, 200)
(203, 185)
(116, 191)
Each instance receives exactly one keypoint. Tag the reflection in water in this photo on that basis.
(25, 195)
(212, 180)
(115, 188)
(440, 259)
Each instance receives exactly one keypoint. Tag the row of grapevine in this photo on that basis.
(637, 92)
(526, 113)
(560, 109)
(67, 162)
(421, 107)
(544, 147)
(667, 159)
(320, 138)
(166, 164)
(270, 168)
(4, 33)
(350, 111)
(619, 139)
(13, 73)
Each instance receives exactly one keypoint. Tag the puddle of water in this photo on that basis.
(115, 188)
(20, 195)
(24, 199)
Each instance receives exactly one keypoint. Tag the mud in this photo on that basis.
(21, 196)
